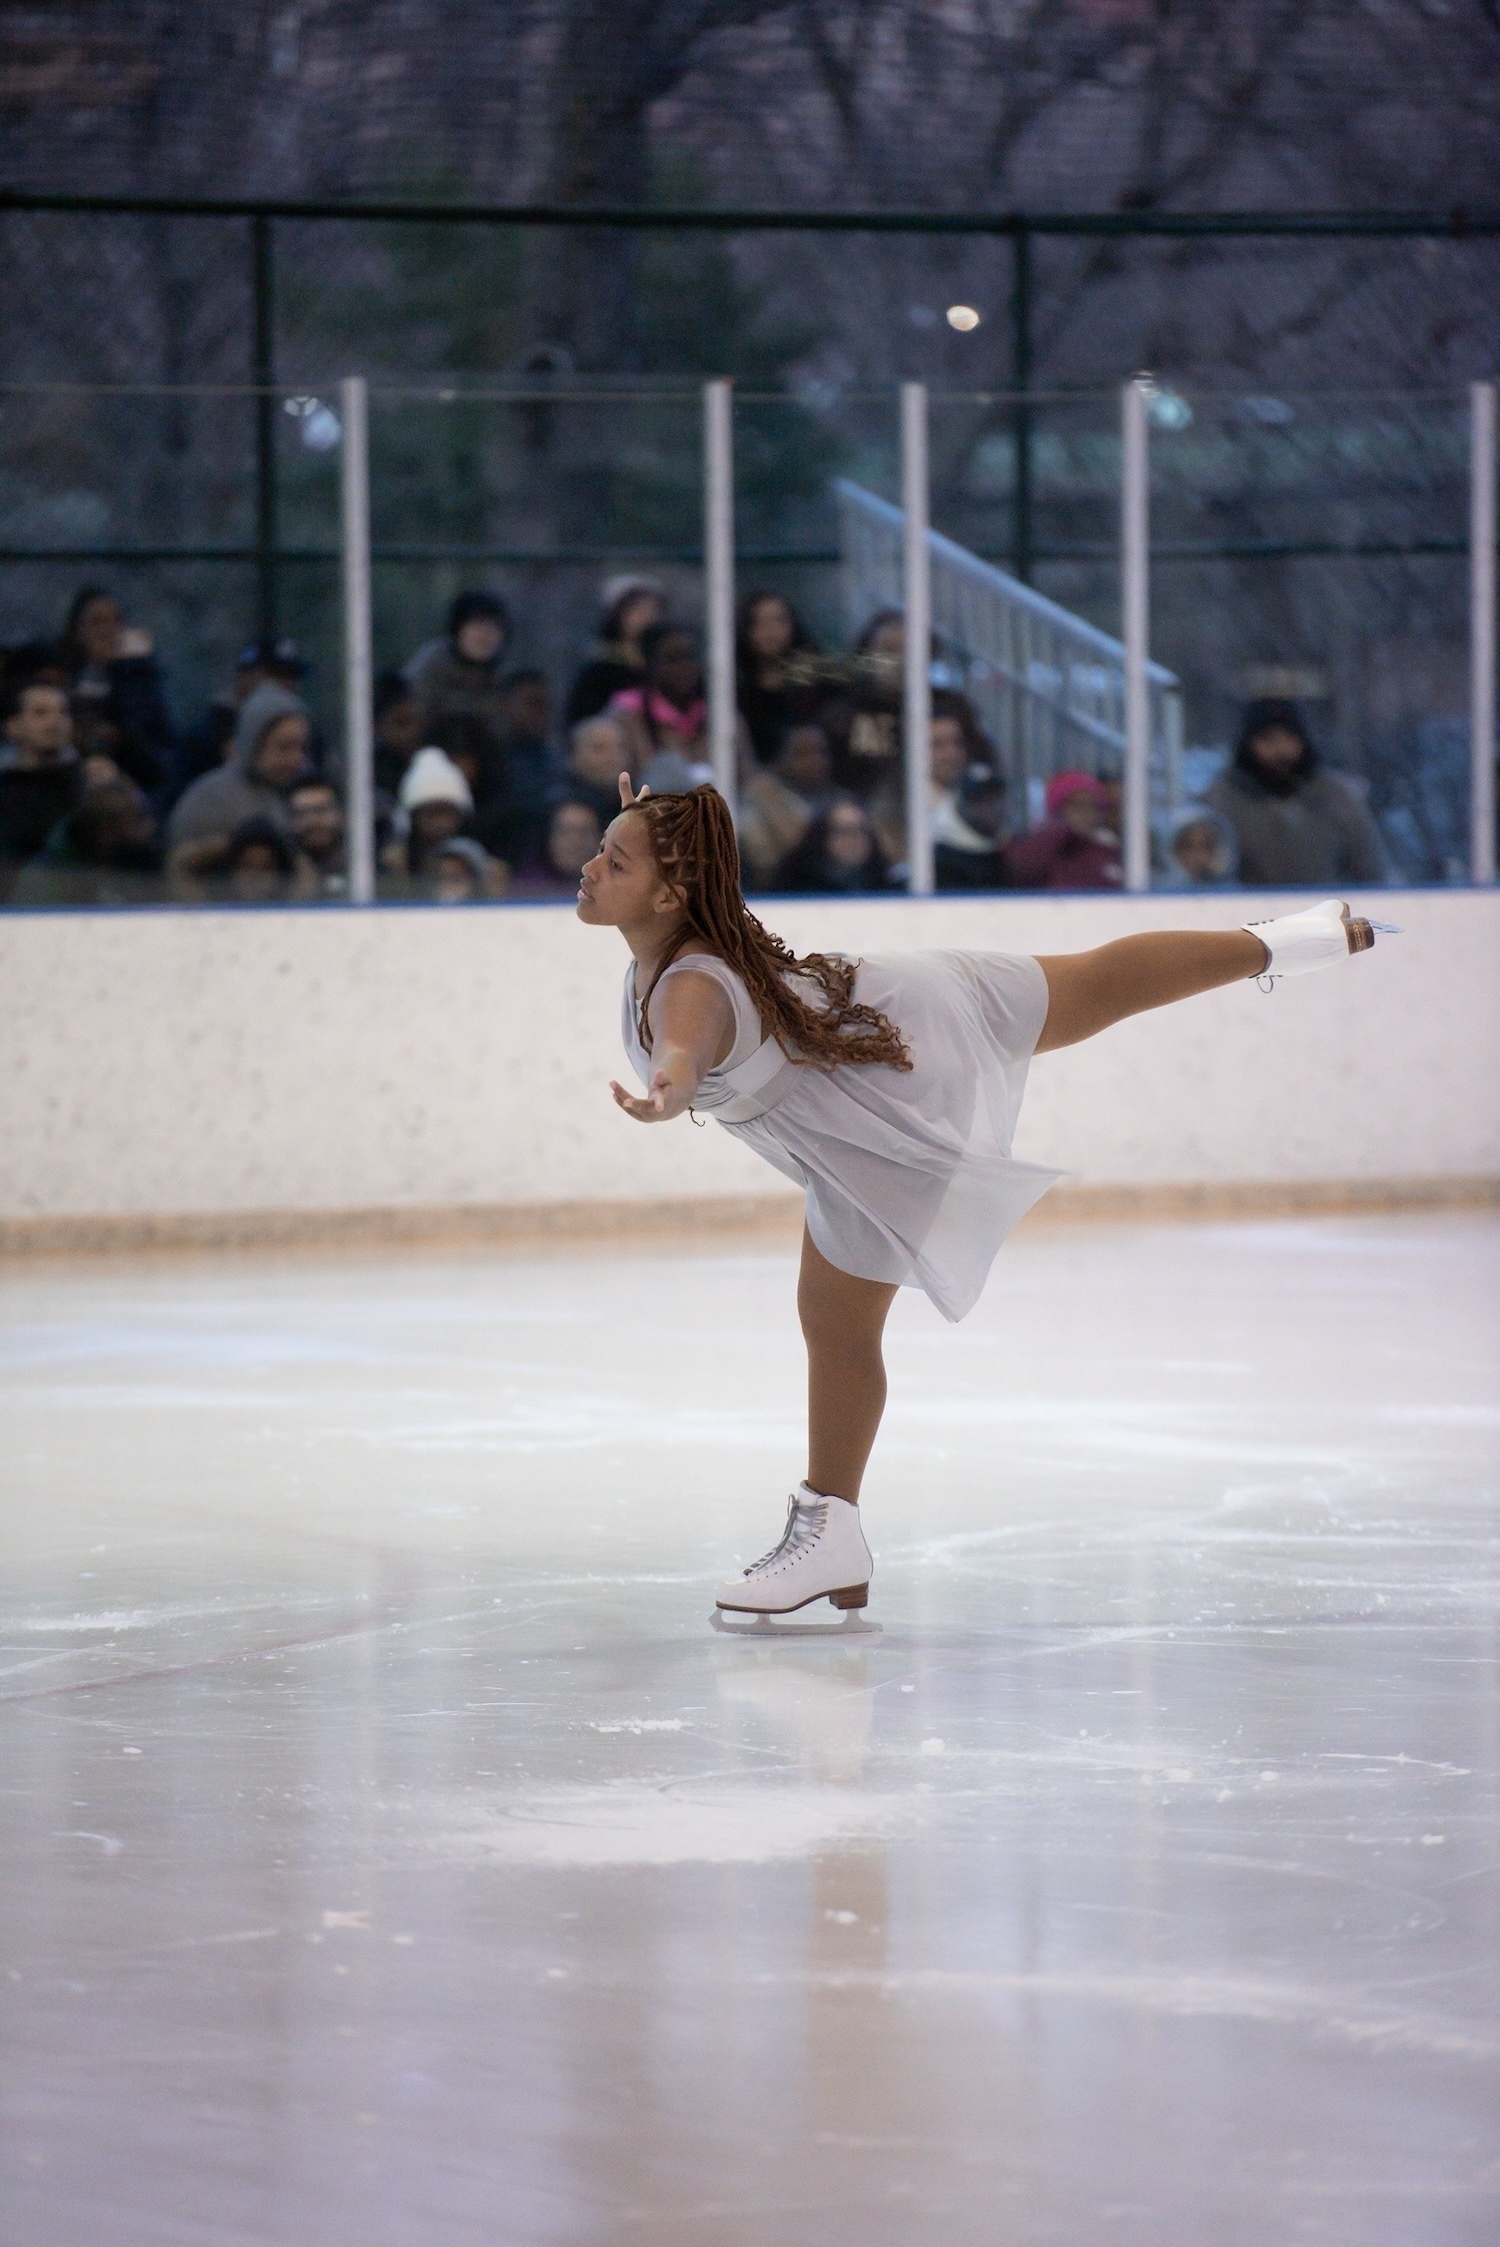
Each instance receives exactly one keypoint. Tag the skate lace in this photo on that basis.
(804, 1526)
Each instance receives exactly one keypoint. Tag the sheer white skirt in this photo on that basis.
(909, 1176)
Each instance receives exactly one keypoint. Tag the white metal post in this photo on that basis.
(1482, 469)
(1135, 587)
(359, 661)
(718, 585)
(917, 600)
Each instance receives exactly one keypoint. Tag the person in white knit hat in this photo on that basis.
(889, 1089)
(434, 803)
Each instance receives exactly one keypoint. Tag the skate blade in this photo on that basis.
(1387, 928)
(734, 1621)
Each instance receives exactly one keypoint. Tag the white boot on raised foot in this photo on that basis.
(1298, 943)
(823, 1555)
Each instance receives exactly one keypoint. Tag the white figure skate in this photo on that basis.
(1300, 943)
(822, 1555)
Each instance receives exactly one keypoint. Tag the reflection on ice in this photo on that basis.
(704, 1822)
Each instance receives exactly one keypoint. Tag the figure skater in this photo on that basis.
(888, 1088)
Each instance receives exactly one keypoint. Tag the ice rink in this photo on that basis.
(397, 1858)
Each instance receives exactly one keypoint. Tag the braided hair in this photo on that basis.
(693, 842)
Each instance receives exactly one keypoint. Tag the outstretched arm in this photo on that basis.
(694, 1027)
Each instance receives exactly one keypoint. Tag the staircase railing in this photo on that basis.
(1049, 688)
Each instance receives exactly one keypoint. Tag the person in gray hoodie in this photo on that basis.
(267, 756)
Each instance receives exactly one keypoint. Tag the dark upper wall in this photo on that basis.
(1105, 103)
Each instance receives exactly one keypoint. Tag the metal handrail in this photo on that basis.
(1048, 685)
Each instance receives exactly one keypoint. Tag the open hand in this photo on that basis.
(657, 1105)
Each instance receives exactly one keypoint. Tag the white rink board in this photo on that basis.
(203, 1062)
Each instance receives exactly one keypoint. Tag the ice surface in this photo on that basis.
(395, 1856)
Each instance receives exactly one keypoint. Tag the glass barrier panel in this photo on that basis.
(1310, 579)
(127, 589)
(821, 804)
(1306, 550)
(1028, 662)
(524, 538)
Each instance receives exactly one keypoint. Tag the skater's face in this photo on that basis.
(621, 887)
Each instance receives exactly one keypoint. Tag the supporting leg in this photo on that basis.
(843, 1319)
(1087, 991)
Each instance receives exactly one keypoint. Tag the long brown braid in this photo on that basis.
(692, 840)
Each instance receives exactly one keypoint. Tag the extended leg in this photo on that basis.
(842, 1320)
(1087, 991)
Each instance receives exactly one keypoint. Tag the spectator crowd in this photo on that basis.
(105, 799)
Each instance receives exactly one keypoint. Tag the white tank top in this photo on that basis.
(755, 1074)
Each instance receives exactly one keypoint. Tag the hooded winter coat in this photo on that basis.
(1310, 831)
(224, 800)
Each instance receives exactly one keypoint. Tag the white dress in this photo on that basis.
(909, 1175)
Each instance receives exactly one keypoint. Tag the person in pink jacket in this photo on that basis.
(1076, 847)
